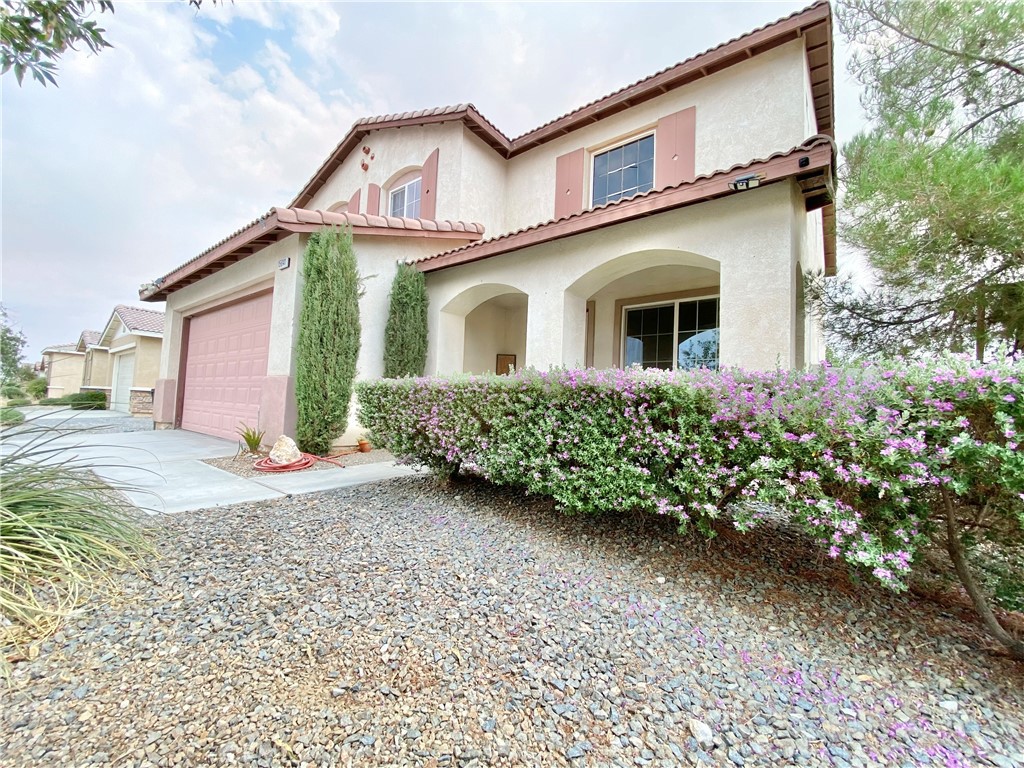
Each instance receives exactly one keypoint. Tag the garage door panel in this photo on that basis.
(225, 367)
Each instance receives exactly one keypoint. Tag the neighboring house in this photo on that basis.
(667, 224)
(96, 366)
(131, 339)
(64, 364)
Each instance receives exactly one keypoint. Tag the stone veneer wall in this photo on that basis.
(141, 403)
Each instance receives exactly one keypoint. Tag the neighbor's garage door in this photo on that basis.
(225, 366)
(124, 375)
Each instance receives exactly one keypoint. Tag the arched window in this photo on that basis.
(404, 195)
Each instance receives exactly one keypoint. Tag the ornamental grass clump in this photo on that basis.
(63, 533)
(880, 464)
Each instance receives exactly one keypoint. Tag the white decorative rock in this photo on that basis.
(285, 451)
(702, 733)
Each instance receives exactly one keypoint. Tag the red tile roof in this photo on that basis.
(88, 339)
(816, 182)
(279, 223)
(140, 319)
(63, 348)
(813, 25)
(467, 113)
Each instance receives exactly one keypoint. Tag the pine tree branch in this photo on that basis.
(963, 55)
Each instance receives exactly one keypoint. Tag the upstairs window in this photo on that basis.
(405, 200)
(624, 171)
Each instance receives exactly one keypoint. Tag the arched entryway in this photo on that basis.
(659, 309)
(484, 329)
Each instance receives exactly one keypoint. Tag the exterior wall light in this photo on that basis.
(746, 182)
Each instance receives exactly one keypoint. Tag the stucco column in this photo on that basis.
(449, 342)
(556, 328)
(277, 400)
(574, 330)
(755, 310)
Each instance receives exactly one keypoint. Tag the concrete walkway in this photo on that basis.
(162, 472)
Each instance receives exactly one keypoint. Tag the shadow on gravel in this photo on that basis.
(783, 559)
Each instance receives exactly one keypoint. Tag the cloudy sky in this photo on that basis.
(195, 123)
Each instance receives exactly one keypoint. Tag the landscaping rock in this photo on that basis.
(408, 623)
(702, 733)
(285, 451)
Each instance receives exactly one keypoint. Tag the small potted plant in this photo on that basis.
(364, 445)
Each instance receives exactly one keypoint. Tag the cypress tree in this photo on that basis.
(328, 342)
(405, 337)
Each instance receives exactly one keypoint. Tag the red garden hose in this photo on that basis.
(307, 461)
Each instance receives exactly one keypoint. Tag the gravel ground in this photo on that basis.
(406, 624)
(242, 464)
(95, 425)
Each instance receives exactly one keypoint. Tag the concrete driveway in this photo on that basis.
(163, 472)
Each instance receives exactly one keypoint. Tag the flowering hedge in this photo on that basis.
(870, 461)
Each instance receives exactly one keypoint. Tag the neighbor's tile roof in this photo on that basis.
(279, 223)
(812, 24)
(140, 319)
(89, 338)
(816, 182)
(61, 348)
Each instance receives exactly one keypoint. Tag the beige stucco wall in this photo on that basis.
(747, 111)
(747, 239)
(254, 273)
(484, 178)
(147, 358)
(97, 368)
(64, 373)
(147, 361)
(377, 259)
(493, 329)
(396, 151)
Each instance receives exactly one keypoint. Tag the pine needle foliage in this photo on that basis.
(328, 343)
(405, 337)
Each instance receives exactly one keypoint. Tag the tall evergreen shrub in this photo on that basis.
(328, 343)
(405, 338)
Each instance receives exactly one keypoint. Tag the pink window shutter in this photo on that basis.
(675, 148)
(373, 200)
(428, 187)
(569, 183)
(353, 202)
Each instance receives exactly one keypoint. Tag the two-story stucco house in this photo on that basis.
(667, 224)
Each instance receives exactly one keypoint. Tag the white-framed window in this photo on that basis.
(672, 335)
(405, 200)
(623, 171)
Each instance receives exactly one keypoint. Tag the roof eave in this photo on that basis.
(773, 170)
(814, 23)
(474, 121)
(272, 228)
(703, 65)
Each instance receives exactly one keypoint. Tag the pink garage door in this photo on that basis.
(225, 367)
